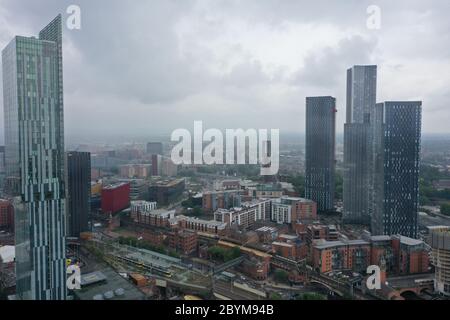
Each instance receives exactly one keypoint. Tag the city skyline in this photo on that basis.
(238, 70)
(147, 199)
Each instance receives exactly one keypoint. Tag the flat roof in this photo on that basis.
(283, 244)
(380, 238)
(197, 220)
(91, 278)
(331, 244)
(288, 236)
(114, 186)
(112, 284)
(7, 253)
(410, 241)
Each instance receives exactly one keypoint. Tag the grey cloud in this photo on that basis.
(129, 70)
(325, 67)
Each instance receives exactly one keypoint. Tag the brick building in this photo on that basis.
(157, 218)
(199, 225)
(183, 241)
(290, 210)
(6, 215)
(401, 255)
(338, 255)
(220, 200)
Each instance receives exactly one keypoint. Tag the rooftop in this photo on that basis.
(410, 241)
(282, 244)
(332, 244)
(112, 287)
(7, 253)
(114, 186)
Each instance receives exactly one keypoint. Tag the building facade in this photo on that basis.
(115, 198)
(6, 215)
(396, 193)
(34, 147)
(78, 192)
(320, 151)
(440, 244)
(361, 100)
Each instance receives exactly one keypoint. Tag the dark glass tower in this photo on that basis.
(78, 196)
(34, 150)
(361, 100)
(396, 203)
(320, 151)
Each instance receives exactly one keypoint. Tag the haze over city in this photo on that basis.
(235, 152)
(149, 67)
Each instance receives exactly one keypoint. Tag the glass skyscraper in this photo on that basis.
(34, 150)
(397, 133)
(320, 151)
(78, 192)
(361, 100)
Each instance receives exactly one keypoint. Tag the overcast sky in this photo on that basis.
(143, 67)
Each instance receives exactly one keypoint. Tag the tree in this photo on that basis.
(281, 276)
(311, 296)
(197, 211)
(275, 296)
(298, 182)
(445, 209)
(224, 255)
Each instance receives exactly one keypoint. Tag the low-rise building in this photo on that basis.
(291, 209)
(270, 190)
(267, 234)
(157, 218)
(225, 199)
(183, 241)
(246, 215)
(412, 256)
(399, 255)
(167, 191)
(6, 215)
(115, 198)
(140, 206)
(140, 171)
(199, 225)
(318, 232)
(290, 246)
(338, 255)
(440, 244)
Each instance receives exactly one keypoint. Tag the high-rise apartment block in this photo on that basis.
(361, 100)
(78, 192)
(397, 141)
(320, 151)
(34, 150)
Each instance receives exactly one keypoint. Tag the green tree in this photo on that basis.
(281, 276)
(224, 255)
(275, 296)
(311, 296)
(298, 182)
(445, 209)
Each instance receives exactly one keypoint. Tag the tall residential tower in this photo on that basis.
(78, 192)
(361, 100)
(34, 147)
(396, 198)
(320, 151)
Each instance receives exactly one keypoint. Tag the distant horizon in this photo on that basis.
(233, 65)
